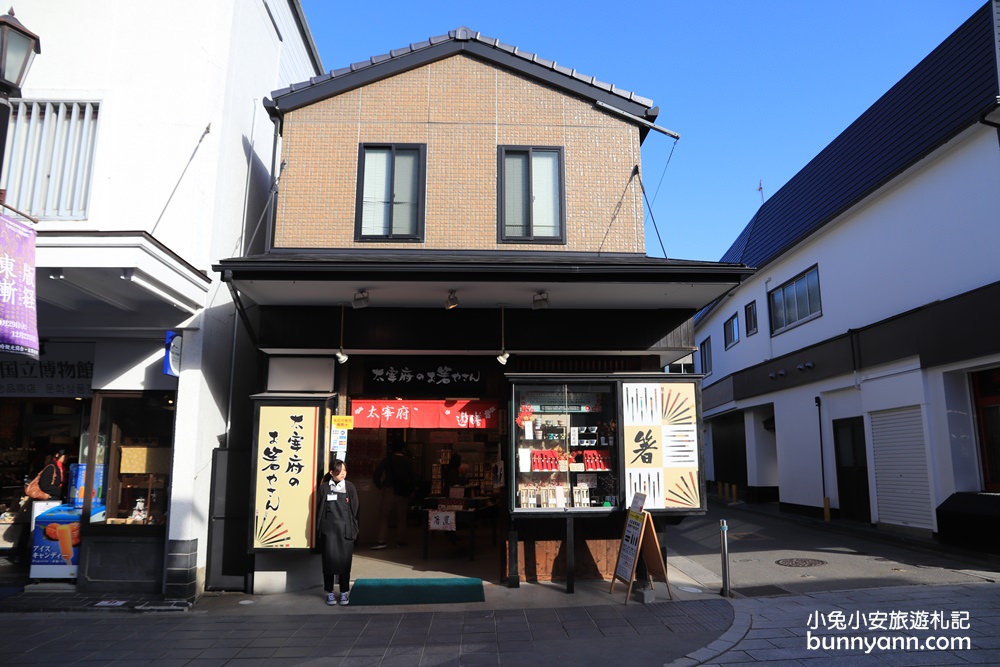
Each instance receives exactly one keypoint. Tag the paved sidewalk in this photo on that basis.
(807, 630)
(301, 630)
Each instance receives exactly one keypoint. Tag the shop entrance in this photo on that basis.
(455, 478)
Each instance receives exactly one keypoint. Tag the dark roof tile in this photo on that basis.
(634, 103)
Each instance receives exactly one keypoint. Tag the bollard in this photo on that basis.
(723, 538)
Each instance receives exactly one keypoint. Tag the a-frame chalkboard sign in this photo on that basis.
(639, 538)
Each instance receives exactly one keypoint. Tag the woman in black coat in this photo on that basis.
(53, 475)
(337, 529)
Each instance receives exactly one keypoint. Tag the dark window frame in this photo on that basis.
(705, 356)
(418, 235)
(750, 318)
(502, 237)
(788, 290)
(731, 330)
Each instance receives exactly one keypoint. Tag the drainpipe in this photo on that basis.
(822, 463)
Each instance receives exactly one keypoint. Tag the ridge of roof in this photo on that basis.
(465, 35)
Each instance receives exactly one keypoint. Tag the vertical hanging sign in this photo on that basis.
(18, 317)
(285, 465)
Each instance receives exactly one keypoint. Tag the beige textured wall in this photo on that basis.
(462, 109)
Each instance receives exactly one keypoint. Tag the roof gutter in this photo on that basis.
(637, 119)
(985, 118)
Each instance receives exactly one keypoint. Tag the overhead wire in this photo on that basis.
(649, 205)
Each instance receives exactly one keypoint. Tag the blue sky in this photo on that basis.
(755, 89)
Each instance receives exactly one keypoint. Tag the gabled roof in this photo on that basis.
(460, 40)
(951, 89)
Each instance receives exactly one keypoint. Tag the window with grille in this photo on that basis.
(49, 162)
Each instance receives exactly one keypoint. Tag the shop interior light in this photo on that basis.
(540, 300)
(341, 355)
(504, 355)
(451, 301)
(360, 299)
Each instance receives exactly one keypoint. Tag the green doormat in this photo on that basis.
(416, 591)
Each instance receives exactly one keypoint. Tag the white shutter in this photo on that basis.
(49, 163)
(902, 481)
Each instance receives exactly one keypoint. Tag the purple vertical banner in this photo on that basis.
(18, 317)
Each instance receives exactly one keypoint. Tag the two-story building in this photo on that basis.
(140, 147)
(857, 371)
(456, 220)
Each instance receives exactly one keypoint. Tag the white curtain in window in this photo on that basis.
(407, 193)
(545, 215)
(516, 195)
(377, 194)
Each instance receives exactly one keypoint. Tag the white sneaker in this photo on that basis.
(331, 599)
(344, 599)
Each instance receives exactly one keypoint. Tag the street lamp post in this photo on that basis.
(18, 47)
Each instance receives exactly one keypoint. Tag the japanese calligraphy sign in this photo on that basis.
(425, 414)
(285, 466)
(441, 520)
(424, 377)
(661, 443)
(18, 317)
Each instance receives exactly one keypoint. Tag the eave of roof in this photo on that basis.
(460, 40)
(570, 266)
(954, 87)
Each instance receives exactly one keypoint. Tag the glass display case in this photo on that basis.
(565, 447)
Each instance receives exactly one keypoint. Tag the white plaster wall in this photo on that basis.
(762, 449)
(798, 446)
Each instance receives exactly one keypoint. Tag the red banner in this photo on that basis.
(425, 414)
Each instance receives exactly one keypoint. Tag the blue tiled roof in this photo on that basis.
(951, 89)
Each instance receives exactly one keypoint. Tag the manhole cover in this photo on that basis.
(800, 562)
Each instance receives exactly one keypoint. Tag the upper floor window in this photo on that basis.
(705, 355)
(530, 194)
(731, 331)
(390, 192)
(795, 301)
(50, 158)
(750, 318)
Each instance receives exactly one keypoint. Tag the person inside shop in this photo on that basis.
(337, 510)
(452, 473)
(53, 475)
(395, 477)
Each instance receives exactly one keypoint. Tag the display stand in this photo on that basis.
(636, 540)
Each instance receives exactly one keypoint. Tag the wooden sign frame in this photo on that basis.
(646, 544)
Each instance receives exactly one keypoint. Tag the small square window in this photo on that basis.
(530, 196)
(705, 355)
(390, 202)
(731, 331)
(750, 318)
